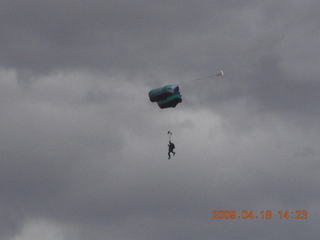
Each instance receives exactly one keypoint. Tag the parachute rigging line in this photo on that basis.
(169, 135)
(221, 73)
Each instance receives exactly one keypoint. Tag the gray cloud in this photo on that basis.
(83, 152)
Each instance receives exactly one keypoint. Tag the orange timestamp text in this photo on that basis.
(264, 214)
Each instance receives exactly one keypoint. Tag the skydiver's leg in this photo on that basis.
(169, 155)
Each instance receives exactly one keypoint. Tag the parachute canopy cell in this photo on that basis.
(166, 97)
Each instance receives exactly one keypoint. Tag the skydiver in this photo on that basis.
(171, 147)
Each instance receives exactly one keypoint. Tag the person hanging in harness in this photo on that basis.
(171, 147)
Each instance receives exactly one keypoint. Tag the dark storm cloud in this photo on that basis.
(45, 36)
(83, 150)
(41, 36)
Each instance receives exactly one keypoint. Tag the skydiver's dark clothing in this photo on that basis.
(171, 147)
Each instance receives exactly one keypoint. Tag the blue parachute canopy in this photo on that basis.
(166, 97)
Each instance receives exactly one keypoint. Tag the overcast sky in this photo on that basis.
(83, 151)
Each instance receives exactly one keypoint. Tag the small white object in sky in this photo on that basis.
(220, 73)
